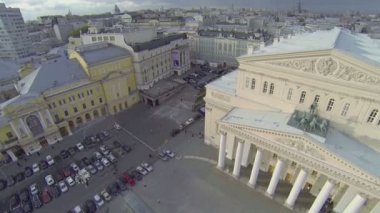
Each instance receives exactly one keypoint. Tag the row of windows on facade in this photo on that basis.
(329, 106)
(71, 99)
(103, 38)
(75, 109)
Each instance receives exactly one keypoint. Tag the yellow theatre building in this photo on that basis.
(65, 92)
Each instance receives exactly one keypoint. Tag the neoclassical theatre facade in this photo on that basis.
(306, 110)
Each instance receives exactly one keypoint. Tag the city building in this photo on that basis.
(62, 31)
(14, 41)
(62, 94)
(306, 110)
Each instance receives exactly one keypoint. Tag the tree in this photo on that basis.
(76, 33)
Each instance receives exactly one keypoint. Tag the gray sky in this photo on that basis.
(33, 8)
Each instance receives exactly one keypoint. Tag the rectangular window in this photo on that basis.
(60, 102)
(66, 113)
(82, 95)
(75, 109)
(91, 91)
(100, 100)
(302, 97)
(84, 106)
(54, 105)
(345, 109)
(129, 90)
(117, 94)
(290, 91)
(253, 83)
(100, 38)
(93, 38)
(63, 101)
(330, 105)
(316, 99)
(70, 100)
(88, 93)
(49, 106)
(78, 96)
(9, 135)
(73, 97)
(112, 38)
(92, 103)
(271, 89)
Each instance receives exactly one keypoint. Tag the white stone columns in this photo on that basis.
(322, 197)
(296, 189)
(255, 168)
(15, 129)
(238, 157)
(23, 125)
(222, 151)
(49, 116)
(275, 178)
(355, 204)
(42, 120)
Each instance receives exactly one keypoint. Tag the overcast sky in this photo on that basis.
(33, 8)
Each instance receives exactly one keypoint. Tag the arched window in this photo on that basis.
(302, 97)
(253, 83)
(316, 99)
(330, 105)
(290, 92)
(271, 88)
(34, 124)
(265, 87)
(372, 116)
(345, 109)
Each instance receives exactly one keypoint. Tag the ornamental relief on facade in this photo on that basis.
(301, 147)
(329, 67)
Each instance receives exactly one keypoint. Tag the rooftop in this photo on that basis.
(153, 44)
(226, 83)
(348, 148)
(101, 52)
(358, 45)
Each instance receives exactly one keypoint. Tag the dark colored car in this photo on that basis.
(54, 191)
(67, 171)
(135, 175)
(72, 150)
(3, 184)
(113, 189)
(24, 195)
(14, 202)
(20, 177)
(90, 206)
(45, 196)
(10, 181)
(36, 201)
(128, 180)
(43, 164)
(27, 207)
(127, 148)
(28, 171)
(117, 144)
(86, 161)
(121, 185)
(87, 141)
(100, 136)
(175, 132)
(64, 154)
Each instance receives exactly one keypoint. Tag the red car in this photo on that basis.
(45, 196)
(128, 180)
(66, 172)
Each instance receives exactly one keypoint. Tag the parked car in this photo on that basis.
(136, 175)
(43, 164)
(72, 150)
(64, 154)
(105, 162)
(45, 196)
(36, 201)
(111, 157)
(127, 148)
(98, 201)
(3, 184)
(33, 189)
(14, 202)
(77, 209)
(90, 206)
(104, 150)
(35, 168)
(163, 156)
(106, 195)
(20, 176)
(49, 180)
(28, 171)
(10, 181)
(113, 189)
(140, 170)
(98, 155)
(27, 207)
(70, 181)
(80, 146)
(128, 180)
(54, 191)
(62, 186)
(98, 165)
(50, 160)
(86, 161)
(106, 134)
(75, 167)
(146, 166)
(117, 144)
(91, 169)
(117, 126)
(121, 185)
(24, 195)
(66, 172)
(169, 153)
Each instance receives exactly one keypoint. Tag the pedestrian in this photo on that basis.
(18, 164)
(38, 154)
(150, 156)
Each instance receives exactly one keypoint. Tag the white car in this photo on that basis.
(77, 209)
(106, 195)
(140, 170)
(111, 158)
(104, 150)
(98, 155)
(50, 160)
(62, 186)
(116, 126)
(169, 153)
(35, 168)
(33, 189)
(105, 162)
(80, 146)
(70, 181)
(98, 200)
(146, 166)
(75, 167)
(49, 180)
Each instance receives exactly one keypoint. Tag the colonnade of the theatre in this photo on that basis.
(329, 186)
